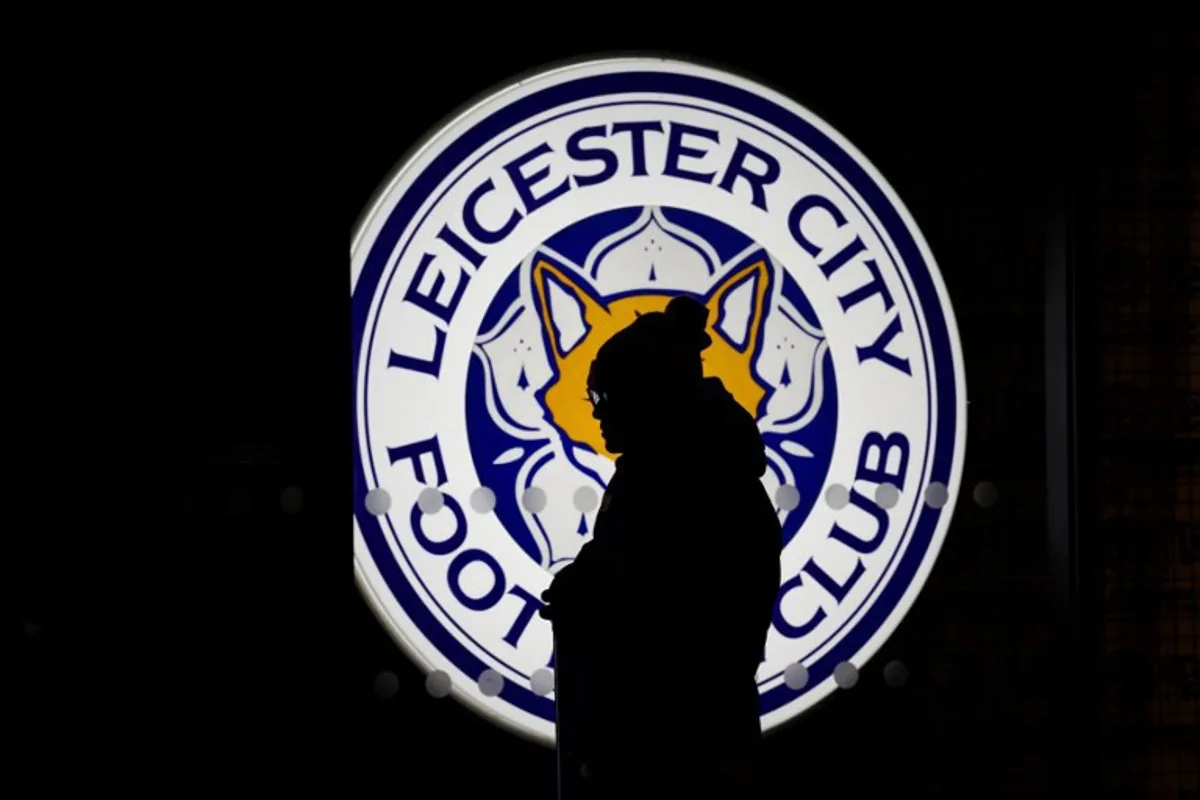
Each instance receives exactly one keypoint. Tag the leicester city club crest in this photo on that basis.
(523, 234)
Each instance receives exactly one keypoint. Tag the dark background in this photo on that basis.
(238, 654)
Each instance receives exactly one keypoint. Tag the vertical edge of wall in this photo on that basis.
(1071, 775)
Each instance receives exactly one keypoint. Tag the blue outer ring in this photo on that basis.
(768, 111)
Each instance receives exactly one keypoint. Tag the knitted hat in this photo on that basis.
(659, 350)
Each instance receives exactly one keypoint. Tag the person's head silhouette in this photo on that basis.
(647, 373)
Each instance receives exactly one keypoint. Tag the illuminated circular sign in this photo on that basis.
(541, 220)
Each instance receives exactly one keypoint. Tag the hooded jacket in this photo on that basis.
(673, 596)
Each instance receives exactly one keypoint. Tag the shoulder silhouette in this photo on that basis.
(668, 606)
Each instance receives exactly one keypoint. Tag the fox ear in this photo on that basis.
(565, 307)
(738, 303)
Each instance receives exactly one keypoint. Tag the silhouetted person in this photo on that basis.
(671, 600)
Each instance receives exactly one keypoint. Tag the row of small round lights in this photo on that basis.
(887, 496)
(845, 675)
(585, 499)
(490, 683)
(542, 681)
(795, 675)
(378, 501)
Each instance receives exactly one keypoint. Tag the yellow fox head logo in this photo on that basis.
(565, 397)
